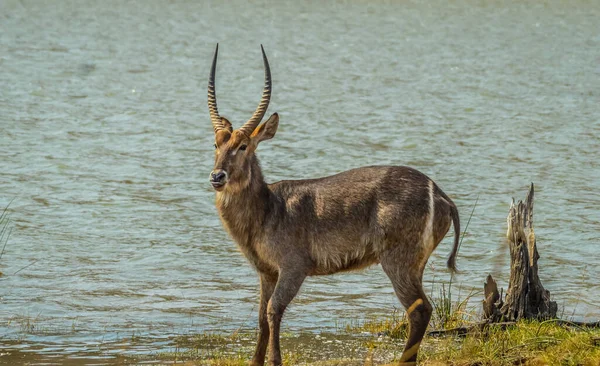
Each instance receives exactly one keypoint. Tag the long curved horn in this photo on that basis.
(249, 126)
(212, 97)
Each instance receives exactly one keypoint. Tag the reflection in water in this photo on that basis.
(107, 145)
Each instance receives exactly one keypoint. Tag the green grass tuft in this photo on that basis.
(527, 342)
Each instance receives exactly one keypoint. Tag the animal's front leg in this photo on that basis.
(267, 284)
(288, 285)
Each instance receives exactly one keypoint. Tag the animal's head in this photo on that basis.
(234, 149)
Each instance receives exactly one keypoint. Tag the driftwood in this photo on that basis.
(526, 297)
(461, 331)
(482, 326)
(571, 323)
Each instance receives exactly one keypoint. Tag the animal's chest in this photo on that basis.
(252, 245)
(258, 257)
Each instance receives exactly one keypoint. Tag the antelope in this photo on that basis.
(389, 215)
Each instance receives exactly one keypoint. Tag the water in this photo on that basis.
(106, 146)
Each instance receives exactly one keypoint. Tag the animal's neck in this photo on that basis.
(243, 211)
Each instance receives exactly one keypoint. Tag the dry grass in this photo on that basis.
(395, 326)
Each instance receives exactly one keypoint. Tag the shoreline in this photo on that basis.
(368, 342)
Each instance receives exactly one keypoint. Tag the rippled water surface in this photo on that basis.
(106, 145)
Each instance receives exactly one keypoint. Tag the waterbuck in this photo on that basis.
(392, 215)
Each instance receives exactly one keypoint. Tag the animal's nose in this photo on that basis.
(217, 176)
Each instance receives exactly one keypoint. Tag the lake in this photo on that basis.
(106, 146)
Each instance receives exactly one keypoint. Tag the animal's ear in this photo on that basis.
(266, 130)
(227, 124)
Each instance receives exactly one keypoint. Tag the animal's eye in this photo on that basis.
(215, 146)
(243, 147)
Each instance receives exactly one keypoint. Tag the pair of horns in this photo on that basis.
(249, 126)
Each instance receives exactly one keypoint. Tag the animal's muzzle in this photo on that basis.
(218, 178)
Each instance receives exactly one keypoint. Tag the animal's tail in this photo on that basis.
(456, 221)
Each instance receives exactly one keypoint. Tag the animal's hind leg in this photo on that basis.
(406, 277)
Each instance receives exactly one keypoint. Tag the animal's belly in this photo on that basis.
(336, 256)
(352, 265)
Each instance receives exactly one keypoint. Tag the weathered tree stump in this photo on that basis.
(526, 297)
